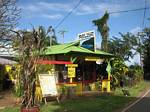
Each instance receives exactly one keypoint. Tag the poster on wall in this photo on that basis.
(48, 84)
(87, 40)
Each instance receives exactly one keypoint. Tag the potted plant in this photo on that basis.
(30, 44)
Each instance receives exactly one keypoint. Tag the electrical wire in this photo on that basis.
(144, 15)
(129, 10)
(76, 6)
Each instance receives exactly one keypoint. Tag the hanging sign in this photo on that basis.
(87, 40)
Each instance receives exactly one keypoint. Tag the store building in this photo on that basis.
(77, 66)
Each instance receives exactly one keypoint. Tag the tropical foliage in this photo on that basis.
(135, 73)
(30, 45)
(124, 46)
(146, 51)
(119, 70)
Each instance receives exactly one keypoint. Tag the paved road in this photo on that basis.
(141, 105)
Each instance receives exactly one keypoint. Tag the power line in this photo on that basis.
(129, 10)
(144, 15)
(68, 14)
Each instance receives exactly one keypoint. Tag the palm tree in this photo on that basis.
(52, 38)
(103, 28)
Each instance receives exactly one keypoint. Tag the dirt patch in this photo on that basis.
(7, 99)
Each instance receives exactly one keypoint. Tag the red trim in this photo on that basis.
(53, 62)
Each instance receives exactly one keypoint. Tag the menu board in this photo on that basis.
(48, 84)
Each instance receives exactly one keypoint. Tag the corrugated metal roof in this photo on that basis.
(4, 61)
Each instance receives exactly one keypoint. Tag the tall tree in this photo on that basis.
(49, 34)
(146, 51)
(29, 46)
(42, 32)
(9, 15)
(103, 28)
(124, 45)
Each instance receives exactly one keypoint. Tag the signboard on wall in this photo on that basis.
(48, 84)
(87, 40)
(96, 59)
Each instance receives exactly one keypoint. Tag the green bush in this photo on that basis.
(135, 74)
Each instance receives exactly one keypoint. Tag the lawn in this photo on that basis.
(102, 103)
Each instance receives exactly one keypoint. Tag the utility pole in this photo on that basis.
(62, 32)
(140, 34)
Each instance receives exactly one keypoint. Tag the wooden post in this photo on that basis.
(70, 79)
(45, 100)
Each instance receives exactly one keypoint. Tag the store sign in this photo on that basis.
(85, 35)
(87, 40)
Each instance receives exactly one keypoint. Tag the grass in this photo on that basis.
(103, 103)
(135, 90)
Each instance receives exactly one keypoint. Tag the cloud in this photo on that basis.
(85, 8)
(52, 16)
(58, 8)
(55, 6)
(29, 8)
(97, 8)
(136, 30)
(43, 9)
(47, 6)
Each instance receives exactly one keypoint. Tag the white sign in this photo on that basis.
(85, 35)
(48, 84)
(87, 40)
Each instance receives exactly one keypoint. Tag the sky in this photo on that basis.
(51, 12)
